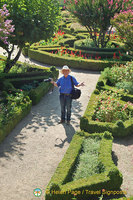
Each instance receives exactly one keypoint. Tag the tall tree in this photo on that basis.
(95, 15)
(34, 20)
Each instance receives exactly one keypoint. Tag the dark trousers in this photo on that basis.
(66, 104)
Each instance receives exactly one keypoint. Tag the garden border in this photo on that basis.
(111, 178)
(53, 59)
(16, 118)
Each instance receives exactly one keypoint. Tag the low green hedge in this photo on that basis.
(77, 45)
(69, 41)
(91, 126)
(59, 186)
(52, 59)
(18, 79)
(18, 115)
(36, 94)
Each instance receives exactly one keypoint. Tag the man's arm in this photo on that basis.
(80, 84)
(54, 83)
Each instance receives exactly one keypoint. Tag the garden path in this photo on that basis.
(32, 151)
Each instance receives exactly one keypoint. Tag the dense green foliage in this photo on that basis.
(120, 76)
(124, 25)
(33, 20)
(88, 163)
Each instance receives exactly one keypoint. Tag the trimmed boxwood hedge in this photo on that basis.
(110, 179)
(40, 53)
(77, 45)
(91, 126)
(36, 94)
(17, 79)
(19, 114)
(53, 59)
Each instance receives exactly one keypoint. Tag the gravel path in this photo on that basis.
(123, 153)
(32, 151)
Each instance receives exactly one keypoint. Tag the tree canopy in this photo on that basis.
(33, 20)
(124, 25)
(95, 15)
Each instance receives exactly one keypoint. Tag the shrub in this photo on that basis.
(127, 86)
(119, 73)
(53, 59)
(13, 109)
(109, 108)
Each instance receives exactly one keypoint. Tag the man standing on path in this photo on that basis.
(65, 87)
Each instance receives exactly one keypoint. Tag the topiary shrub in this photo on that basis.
(120, 124)
(96, 91)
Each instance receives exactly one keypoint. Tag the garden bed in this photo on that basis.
(14, 108)
(53, 59)
(91, 125)
(63, 187)
(111, 110)
(65, 48)
(30, 82)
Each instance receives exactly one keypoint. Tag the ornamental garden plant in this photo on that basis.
(120, 76)
(109, 109)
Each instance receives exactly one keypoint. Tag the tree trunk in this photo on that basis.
(11, 63)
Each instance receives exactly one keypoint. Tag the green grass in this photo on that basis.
(88, 163)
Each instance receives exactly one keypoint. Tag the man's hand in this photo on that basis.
(54, 83)
(81, 84)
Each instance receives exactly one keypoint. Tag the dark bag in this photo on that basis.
(75, 93)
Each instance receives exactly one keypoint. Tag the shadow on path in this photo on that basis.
(69, 131)
(126, 141)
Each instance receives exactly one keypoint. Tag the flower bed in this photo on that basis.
(13, 108)
(53, 59)
(120, 77)
(90, 124)
(61, 51)
(61, 185)
(110, 110)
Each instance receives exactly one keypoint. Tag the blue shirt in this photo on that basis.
(65, 85)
